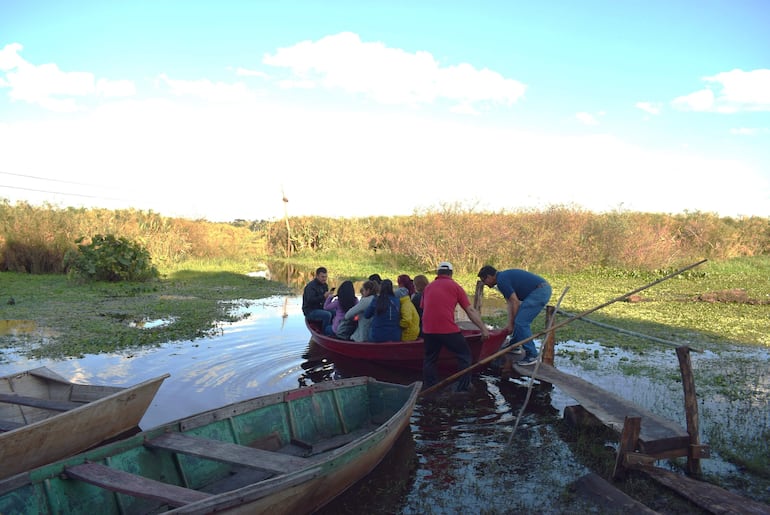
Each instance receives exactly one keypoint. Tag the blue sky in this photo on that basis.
(217, 109)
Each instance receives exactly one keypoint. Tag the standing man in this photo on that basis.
(440, 329)
(313, 298)
(526, 295)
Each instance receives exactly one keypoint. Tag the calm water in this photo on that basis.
(456, 457)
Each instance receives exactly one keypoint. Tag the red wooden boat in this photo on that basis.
(409, 355)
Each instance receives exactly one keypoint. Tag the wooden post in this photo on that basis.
(286, 219)
(478, 296)
(549, 340)
(690, 411)
(628, 439)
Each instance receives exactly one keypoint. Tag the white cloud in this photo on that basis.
(730, 92)
(244, 72)
(226, 161)
(702, 100)
(115, 88)
(391, 75)
(209, 91)
(10, 58)
(587, 118)
(229, 156)
(50, 87)
(652, 108)
(747, 131)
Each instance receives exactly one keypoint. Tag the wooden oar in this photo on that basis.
(501, 352)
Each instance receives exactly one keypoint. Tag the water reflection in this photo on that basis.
(22, 328)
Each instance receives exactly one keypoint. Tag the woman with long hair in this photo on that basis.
(355, 315)
(341, 303)
(385, 312)
(406, 282)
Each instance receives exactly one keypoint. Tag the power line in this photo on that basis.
(62, 193)
(46, 179)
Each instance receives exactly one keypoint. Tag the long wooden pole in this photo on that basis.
(501, 352)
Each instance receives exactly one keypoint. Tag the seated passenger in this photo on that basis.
(420, 282)
(385, 312)
(361, 333)
(313, 298)
(340, 304)
(410, 320)
(404, 281)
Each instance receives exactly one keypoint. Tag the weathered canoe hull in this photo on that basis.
(346, 428)
(317, 486)
(408, 355)
(97, 413)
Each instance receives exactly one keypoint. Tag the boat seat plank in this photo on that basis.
(91, 393)
(228, 452)
(9, 425)
(38, 403)
(131, 484)
(334, 442)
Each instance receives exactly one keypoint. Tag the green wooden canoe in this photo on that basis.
(289, 452)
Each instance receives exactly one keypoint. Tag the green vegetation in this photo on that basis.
(557, 240)
(599, 257)
(72, 319)
(110, 258)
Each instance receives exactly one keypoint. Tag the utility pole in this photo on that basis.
(286, 219)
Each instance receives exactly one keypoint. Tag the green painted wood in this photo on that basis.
(119, 481)
(228, 453)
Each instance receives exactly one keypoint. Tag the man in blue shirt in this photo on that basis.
(526, 294)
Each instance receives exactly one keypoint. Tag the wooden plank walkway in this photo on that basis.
(608, 498)
(710, 497)
(657, 434)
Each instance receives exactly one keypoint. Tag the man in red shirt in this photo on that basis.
(440, 329)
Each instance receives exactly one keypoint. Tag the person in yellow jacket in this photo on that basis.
(410, 319)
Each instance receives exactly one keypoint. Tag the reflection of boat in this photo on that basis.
(289, 452)
(44, 417)
(407, 355)
(322, 365)
(393, 477)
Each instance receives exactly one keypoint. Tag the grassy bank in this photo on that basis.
(60, 318)
(725, 302)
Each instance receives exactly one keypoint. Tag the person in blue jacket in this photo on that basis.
(385, 312)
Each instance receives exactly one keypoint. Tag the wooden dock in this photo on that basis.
(657, 435)
(644, 437)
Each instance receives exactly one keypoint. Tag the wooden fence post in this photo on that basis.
(627, 444)
(478, 296)
(549, 340)
(690, 411)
